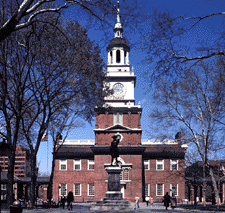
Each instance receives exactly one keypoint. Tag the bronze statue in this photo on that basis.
(114, 148)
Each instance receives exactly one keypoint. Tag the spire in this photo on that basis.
(118, 26)
(118, 12)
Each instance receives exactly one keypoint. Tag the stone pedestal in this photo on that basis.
(113, 199)
(113, 192)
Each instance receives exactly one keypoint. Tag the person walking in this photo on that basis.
(173, 201)
(166, 200)
(136, 202)
(151, 201)
(63, 200)
(147, 200)
(70, 200)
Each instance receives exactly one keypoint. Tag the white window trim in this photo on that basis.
(60, 163)
(60, 190)
(147, 163)
(118, 117)
(171, 189)
(88, 191)
(74, 190)
(162, 190)
(79, 163)
(172, 163)
(160, 163)
(91, 163)
(3, 186)
(126, 168)
(148, 189)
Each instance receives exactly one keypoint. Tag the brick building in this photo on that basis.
(149, 167)
(194, 181)
(22, 173)
(22, 163)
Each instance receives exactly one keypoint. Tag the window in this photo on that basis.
(147, 190)
(174, 189)
(77, 189)
(91, 190)
(174, 165)
(3, 186)
(19, 163)
(63, 189)
(118, 118)
(3, 197)
(91, 165)
(159, 165)
(146, 164)
(62, 164)
(19, 172)
(126, 174)
(159, 189)
(117, 56)
(77, 164)
(19, 159)
(20, 154)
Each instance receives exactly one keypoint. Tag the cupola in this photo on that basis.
(118, 48)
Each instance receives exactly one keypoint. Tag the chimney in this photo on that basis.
(178, 137)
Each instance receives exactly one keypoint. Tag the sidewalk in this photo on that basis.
(208, 207)
(155, 208)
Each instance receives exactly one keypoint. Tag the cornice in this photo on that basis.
(123, 150)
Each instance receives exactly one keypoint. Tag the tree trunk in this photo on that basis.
(51, 177)
(33, 179)
(214, 187)
(10, 176)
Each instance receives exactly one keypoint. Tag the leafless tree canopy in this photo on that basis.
(194, 101)
(18, 14)
(165, 42)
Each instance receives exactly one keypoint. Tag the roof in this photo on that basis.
(150, 151)
(73, 151)
(4, 178)
(164, 150)
(118, 42)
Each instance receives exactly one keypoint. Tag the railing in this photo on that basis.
(158, 142)
(143, 142)
(77, 142)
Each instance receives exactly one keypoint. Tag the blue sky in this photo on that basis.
(205, 30)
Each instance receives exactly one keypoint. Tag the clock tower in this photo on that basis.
(119, 114)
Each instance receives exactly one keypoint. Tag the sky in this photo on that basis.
(205, 30)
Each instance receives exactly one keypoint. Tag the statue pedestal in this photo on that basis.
(113, 199)
(113, 192)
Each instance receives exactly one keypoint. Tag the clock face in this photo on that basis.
(118, 88)
(119, 91)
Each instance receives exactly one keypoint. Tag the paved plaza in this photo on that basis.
(82, 208)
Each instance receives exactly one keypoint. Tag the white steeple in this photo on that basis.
(118, 48)
(118, 26)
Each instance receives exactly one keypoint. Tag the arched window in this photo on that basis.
(111, 57)
(117, 56)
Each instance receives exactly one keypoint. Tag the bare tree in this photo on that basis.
(195, 102)
(65, 80)
(44, 75)
(23, 13)
(166, 46)
(59, 130)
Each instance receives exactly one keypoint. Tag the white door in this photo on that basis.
(123, 191)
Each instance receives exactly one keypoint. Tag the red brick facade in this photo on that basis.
(21, 167)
